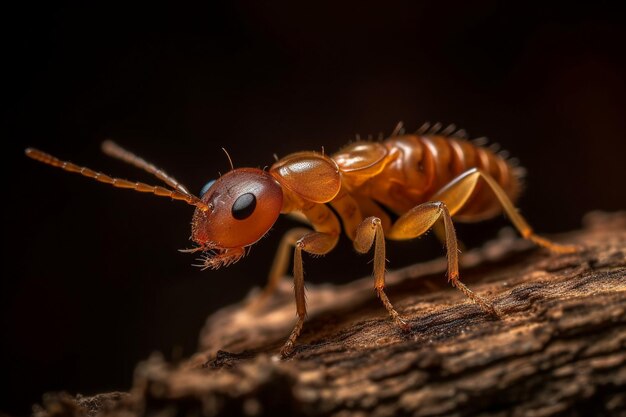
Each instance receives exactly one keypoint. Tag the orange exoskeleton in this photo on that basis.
(427, 177)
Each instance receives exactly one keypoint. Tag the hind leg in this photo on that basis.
(458, 191)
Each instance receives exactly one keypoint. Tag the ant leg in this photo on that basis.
(279, 265)
(439, 231)
(316, 243)
(369, 230)
(458, 191)
(418, 221)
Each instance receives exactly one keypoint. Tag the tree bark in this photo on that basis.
(559, 347)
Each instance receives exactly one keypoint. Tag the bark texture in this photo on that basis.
(559, 347)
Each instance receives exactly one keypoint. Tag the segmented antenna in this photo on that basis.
(116, 151)
(47, 159)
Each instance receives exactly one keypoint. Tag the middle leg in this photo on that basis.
(315, 243)
(369, 230)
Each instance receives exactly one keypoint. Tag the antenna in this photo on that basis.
(48, 159)
(116, 151)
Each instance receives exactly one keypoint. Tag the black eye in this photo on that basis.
(244, 206)
(206, 187)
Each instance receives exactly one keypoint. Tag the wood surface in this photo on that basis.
(559, 347)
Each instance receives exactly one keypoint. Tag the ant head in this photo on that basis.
(243, 206)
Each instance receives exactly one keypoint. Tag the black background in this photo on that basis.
(92, 281)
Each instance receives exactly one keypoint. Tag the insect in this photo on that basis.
(424, 178)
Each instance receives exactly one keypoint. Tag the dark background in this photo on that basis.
(92, 281)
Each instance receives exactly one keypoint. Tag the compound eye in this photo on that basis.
(244, 206)
(245, 203)
(206, 187)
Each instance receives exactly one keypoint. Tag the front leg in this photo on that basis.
(279, 266)
(316, 243)
(371, 228)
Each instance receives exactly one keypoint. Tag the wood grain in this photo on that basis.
(558, 349)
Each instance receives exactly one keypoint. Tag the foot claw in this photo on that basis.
(402, 323)
(485, 305)
(490, 309)
(286, 350)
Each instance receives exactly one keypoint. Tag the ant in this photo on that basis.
(431, 175)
